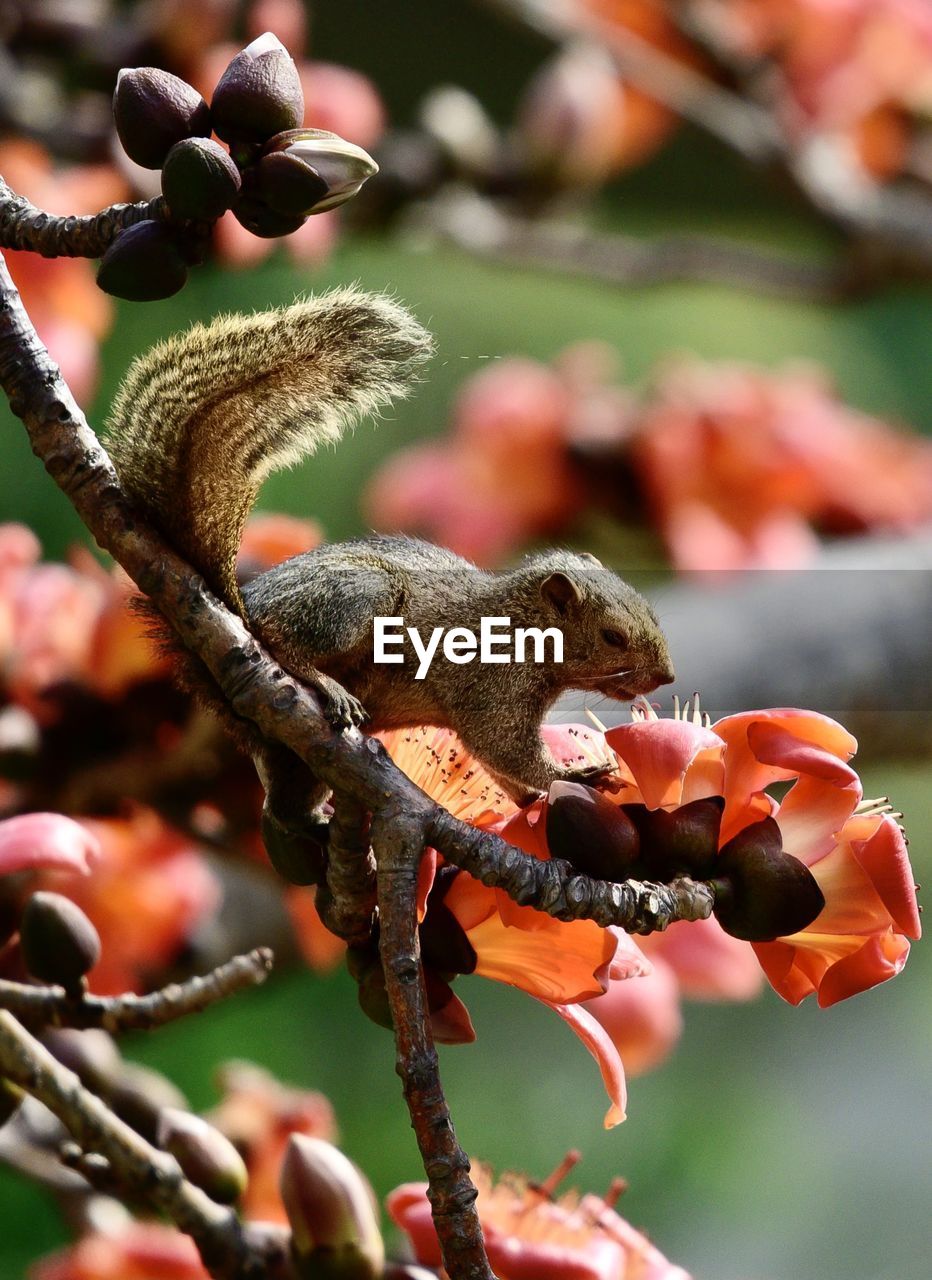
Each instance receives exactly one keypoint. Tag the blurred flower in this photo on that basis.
(529, 1235)
(61, 623)
(581, 123)
(136, 1251)
(45, 842)
(150, 889)
(858, 70)
(70, 313)
(259, 1114)
(737, 464)
(502, 478)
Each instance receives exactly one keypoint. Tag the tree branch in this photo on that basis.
(51, 1007)
(152, 1175)
(23, 226)
(399, 845)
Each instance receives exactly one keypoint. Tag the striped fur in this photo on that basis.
(202, 418)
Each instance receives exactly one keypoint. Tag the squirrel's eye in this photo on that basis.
(616, 638)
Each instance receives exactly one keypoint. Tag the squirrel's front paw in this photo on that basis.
(602, 776)
(340, 708)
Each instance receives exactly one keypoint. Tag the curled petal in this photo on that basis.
(642, 1017)
(762, 747)
(658, 753)
(46, 841)
(600, 1044)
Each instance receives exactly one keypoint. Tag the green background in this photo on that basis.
(777, 1144)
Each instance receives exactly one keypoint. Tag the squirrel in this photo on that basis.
(199, 422)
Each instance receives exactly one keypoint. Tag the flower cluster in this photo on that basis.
(273, 177)
(817, 886)
(735, 466)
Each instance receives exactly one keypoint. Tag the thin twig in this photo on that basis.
(51, 1007)
(148, 1173)
(23, 226)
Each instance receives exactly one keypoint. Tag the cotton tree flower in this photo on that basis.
(530, 1235)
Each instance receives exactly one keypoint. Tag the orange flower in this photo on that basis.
(259, 1114)
(137, 1251)
(854, 850)
(529, 1235)
(738, 465)
(560, 963)
(150, 889)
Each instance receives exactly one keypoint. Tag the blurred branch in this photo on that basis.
(23, 226)
(146, 1172)
(475, 223)
(50, 1006)
(900, 219)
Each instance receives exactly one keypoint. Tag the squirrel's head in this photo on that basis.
(612, 641)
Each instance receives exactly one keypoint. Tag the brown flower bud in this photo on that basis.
(145, 262)
(444, 943)
(761, 892)
(311, 170)
(590, 832)
(152, 110)
(92, 1055)
(206, 1157)
(299, 859)
(256, 216)
(58, 942)
(332, 1212)
(140, 1095)
(199, 180)
(681, 841)
(259, 94)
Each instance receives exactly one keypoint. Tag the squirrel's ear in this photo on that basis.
(560, 590)
(591, 559)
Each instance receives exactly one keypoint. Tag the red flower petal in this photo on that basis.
(602, 1047)
(46, 841)
(658, 753)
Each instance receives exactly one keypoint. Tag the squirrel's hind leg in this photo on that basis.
(295, 814)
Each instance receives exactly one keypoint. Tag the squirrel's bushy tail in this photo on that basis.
(202, 418)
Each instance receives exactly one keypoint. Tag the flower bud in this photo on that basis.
(140, 1095)
(762, 892)
(92, 1055)
(59, 943)
(331, 1209)
(153, 110)
(373, 997)
(681, 841)
(263, 221)
(407, 1271)
(259, 94)
(206, 1157)
(590, 832)
(199, 180)
(444, 943)
(298, 858)
(144, 263)
(341, 166)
